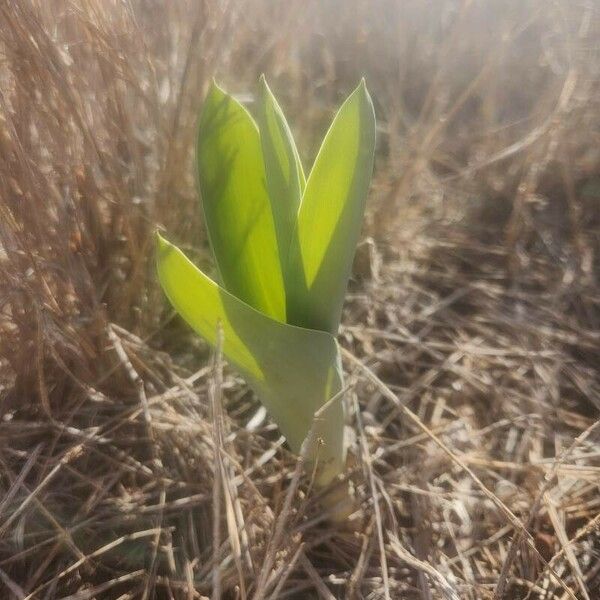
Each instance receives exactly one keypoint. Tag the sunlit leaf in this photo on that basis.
(330, 217)
(294, 371)
(236, 204)
(285, 175)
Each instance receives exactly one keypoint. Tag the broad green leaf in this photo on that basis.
(330, 217)
(236, 204)
(285, 175)
(294, 371)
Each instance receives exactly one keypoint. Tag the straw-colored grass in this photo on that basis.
(134, 466)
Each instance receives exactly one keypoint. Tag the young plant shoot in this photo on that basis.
(283, 246)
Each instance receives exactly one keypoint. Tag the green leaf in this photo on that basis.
(285, 175)
(236, 204)
(330, 217)
(293, 371)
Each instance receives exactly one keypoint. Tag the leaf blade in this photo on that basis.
(330, 216)
(285, 175)
(294, 371)
(236, 205)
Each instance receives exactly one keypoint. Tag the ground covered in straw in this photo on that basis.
(132, 465)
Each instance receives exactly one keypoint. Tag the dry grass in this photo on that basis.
(472, 327)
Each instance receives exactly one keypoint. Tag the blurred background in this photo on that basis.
(474, 297)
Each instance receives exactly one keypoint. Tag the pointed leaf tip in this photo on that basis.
(161, 244)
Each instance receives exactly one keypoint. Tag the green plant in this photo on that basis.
(283, 246)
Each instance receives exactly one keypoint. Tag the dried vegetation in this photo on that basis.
(132, 467)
